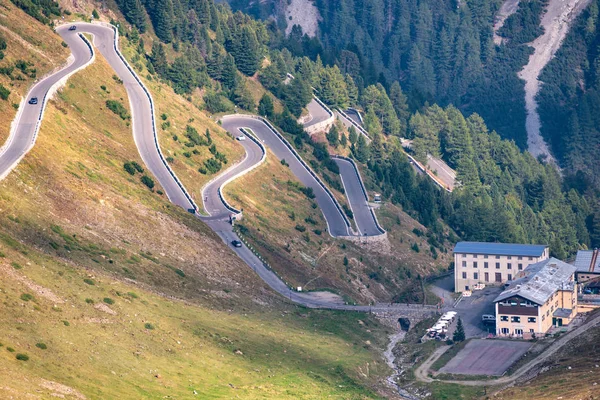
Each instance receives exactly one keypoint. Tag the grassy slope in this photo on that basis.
(67, 215)
(109, 352)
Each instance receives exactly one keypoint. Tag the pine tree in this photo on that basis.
(400, 106)
(352, 135)
(229, 72)
(158, 58)
(459, 332)
(161, 15)
(265, 106)
(362, 149)
(352, 90)
(247, 52)
(134, 13)
(343, 140)
(333, 136)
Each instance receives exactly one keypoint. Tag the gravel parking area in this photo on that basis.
(486, 357)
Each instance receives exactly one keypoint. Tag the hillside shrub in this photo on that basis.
(4, 92)
(26, 297)
(41, 346)
(146, 180)
(108, 300)
(22, 357)
(118, 109)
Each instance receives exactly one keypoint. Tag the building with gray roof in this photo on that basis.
(542, 295)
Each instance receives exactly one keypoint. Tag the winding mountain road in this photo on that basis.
(28, 120)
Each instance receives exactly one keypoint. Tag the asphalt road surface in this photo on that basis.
(446, 174)
(336, 223)
(359, 202)
(318, 114)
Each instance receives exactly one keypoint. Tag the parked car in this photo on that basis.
(241, 137)
(33, 100)
(236, 243)
(72, 28)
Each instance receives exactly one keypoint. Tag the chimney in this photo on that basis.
(593, 262)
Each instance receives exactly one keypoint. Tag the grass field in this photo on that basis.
(108, 339)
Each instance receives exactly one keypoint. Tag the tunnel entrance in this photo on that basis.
(404, 323)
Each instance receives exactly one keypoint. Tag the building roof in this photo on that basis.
(539, 281)
(562, 312)
(500, 249)
(584, 259)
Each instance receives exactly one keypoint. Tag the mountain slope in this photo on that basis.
(92, 264)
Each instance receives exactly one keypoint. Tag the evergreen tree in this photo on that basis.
(398, 100)
(352, 135)
(265, 106)
(229, 72)
(158, 58)
(161, 15)
(134, 13)
(352, 90)
(242, 96)
(343, 140)
(333, 136)
(459, 332)
(362, 149)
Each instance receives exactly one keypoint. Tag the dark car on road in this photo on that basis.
(236, 243)
(33, 100)
(72, 28)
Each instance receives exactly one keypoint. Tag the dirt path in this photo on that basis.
(556, 21)
(421, 373)
(508, 8)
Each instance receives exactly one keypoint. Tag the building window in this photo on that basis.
(485, 256)
(548, 313)
(487, 277)
(464, 263)
(497, 257)
(497, 265)
(474, 264)
(515, 319)
(519, 332)
(498, 277)
(464, 255)
(519, 258)
(530, 258)
(505, 331)
(543, 317)
(485, 264)
(510, 277)
(531, 331)
(509, 257)
(531, 319)
(475, 275)
(504, 318)
(474, 255)
(509, 266)
(520, 267)
(464, 275)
